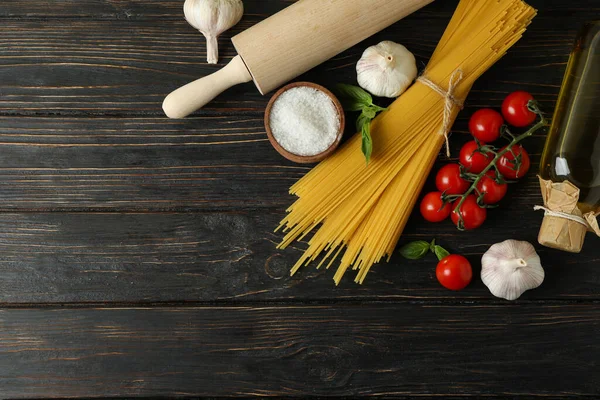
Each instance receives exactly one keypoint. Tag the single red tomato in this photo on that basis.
(433, 208)
(448, 180)
(454, 272)
(473, 216)
(494, 191)
(473, 160)
(515, 110)
(508, 166)
(485, 125)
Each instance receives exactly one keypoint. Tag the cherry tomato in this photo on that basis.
(448, 180)
(473, 216)
(473, 160)
(494, 191)
(507, 164)
(485, 125)
(515, 110)
(433, 208)
(454, 272)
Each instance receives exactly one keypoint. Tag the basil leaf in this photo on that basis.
(354, 97)
(362, 119)
(369, 112)
(378, 109)
(367, 141)
(415, 250)
(440, 252)
(352, 104)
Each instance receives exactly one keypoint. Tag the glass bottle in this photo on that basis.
(572, 151)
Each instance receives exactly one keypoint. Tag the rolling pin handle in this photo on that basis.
(195, 95)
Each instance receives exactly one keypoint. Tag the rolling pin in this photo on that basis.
(289, 43)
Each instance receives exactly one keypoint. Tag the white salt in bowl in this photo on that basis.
(305, 159)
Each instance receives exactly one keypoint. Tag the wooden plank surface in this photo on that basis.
(120, 9)
(231, 257)
(137, 256)
(376, 350)
(159, 9)
(72, 67)
(155, 164)
(141, 164)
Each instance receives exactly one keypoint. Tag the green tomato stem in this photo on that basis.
(515, 140)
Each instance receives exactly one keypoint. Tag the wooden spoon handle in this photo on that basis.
(193, 96)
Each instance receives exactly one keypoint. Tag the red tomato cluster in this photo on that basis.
(486, 126)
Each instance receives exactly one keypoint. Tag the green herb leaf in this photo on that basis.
(378, 109)
(353, 97)
(367, 141)
(352, 104)
(415, 250)
(440, 252)
(369, 112)
(362, 119)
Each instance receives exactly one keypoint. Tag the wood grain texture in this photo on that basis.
(231, 258)
(153, 164)
(159, 9)
(397, 350)
(120, 9)
(138, 164)
(116, 66)
(137, 256)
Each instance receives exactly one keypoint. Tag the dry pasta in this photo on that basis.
(359, 211)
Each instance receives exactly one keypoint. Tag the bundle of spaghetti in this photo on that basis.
(363, 209)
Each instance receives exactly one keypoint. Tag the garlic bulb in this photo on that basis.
(212, 18)
(511, 268)
(386, 70)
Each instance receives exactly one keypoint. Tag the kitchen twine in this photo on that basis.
(559, 214)
(451, 101)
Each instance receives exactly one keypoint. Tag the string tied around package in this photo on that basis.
(576, 218)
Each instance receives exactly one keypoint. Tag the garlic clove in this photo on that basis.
(212, 18)
(511, 268)
(387, 69)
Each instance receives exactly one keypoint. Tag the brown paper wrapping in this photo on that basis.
(558, 232)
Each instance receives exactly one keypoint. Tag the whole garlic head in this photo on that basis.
(212, 18)
(511, 268)
(387, 69)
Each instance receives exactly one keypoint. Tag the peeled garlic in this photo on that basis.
(212, 18)
(387, 69)
(511, 268)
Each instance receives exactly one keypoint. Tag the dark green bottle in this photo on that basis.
(572, 152)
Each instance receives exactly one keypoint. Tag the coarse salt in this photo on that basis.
(304, 121)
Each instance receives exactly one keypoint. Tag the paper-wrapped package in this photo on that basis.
(564, 226)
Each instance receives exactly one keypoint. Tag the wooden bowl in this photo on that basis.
(295, 157)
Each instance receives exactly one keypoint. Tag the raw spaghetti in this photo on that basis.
(361, 210)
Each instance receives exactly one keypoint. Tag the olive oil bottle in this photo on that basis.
(572, 151)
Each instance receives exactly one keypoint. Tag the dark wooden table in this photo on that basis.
(137, 256)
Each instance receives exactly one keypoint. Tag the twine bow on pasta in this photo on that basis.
(451, 101)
